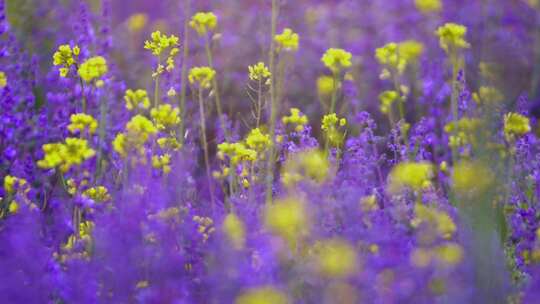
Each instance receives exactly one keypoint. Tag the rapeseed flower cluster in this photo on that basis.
(203, 22)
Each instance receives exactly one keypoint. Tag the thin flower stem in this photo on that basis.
(273, 101)
(184, 70)
(156, 85)
(205, 145)
(215, 87)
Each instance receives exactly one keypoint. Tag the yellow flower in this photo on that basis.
(137, 99)
(93, 69)
(258, 72)
(65, 155)
(287, 40)
(452, 37)
(13, 184)
(390, 57)
(81, 122)
(287, 218)
(202, 76)
(203, 22)
(65, 57)
(463, 132)
(488, 95)
(438, 221)
(450, 254)
(387, 99)
(311, 164)
(262, 295)
(237, 152)
(120, 144)
(336, 59)
(326, 86)
(98, 194)
(235, 230)
(160, 42)
(516, 125)
(137, 22)
(336, 258)
(296, 119)
(471, 178)
(410, 50)
(412, 175)
(162, 162)
(331, 127)
(3, 80)
(258, 141)
(165, 116)
(141, 127)
(428, 6)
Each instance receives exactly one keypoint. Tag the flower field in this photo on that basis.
(270, 151)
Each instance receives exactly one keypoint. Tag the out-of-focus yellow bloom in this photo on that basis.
(141, 126)
(165, 116)
(98, 194)
(449, 254)
(438, 220)
(387, 99)
(471, 178)
(488, 95)
(137, 22)
(13, 184)
(415, 176)
(235, 230)
(160, 42)
(332, 127)
(138, 130)
(3, 80)
(81, 122)
(162, 162)
(137, 99)
(203, 22)
(287, 40)
(368, 203)
(74, 151)
(202, 76)
(326, 86)
(410, 50)
(452, 37)
(65, 57)
(428, 6)
(262, 295)
(337, 59)
(335, 258)
(296, 119)
(258, 72)
(533, 3)
(93, 69)
(288, 219)
(463, 132)
(421, 257)
(258, 141)
(311, 164)
(390, 57)
(516, 125)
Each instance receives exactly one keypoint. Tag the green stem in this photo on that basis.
(454, 101)
(273, 107)
(204, 143)
(156, 85)
(215, 87)
(183, 77)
